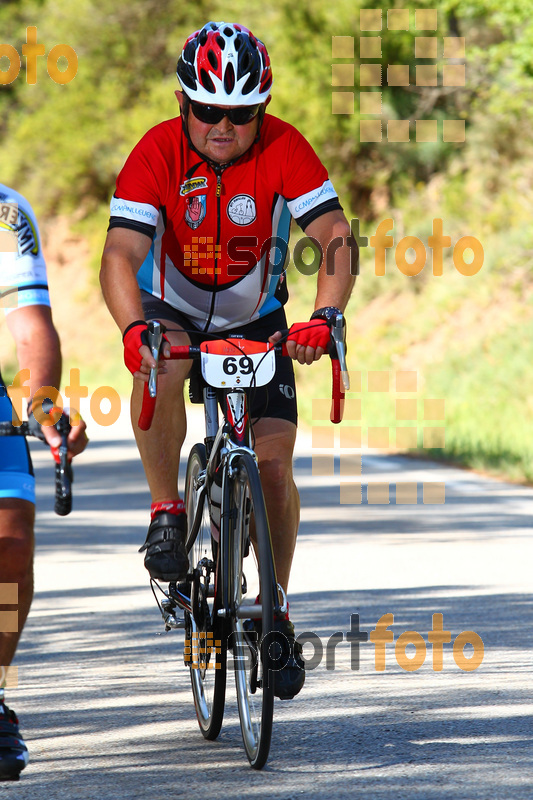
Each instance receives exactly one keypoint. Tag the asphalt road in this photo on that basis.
(105, 703)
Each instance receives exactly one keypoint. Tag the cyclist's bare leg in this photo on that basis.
(160, 446)
(16, 565)
(274, 445)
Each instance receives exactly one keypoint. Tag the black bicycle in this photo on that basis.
(63, 469)
(231, 597)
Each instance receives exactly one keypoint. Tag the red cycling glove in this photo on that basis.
(314, 333)
(135, 336)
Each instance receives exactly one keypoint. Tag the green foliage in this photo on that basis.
(64, 145)
(80, 133)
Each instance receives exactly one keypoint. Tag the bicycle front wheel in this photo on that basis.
(205, 630)
(252, 593)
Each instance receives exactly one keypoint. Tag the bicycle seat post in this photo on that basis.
(211, 416)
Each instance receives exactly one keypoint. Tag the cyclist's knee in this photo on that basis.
(276, 473)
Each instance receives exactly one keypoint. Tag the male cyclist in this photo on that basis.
(24, 296)
(222, 181)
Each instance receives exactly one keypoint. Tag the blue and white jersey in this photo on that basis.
(23, 280)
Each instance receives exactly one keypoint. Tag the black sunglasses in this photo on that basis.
(211, 115)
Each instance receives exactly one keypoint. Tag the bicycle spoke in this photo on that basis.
(205, 631)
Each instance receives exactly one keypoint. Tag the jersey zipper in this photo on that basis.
(218, 172)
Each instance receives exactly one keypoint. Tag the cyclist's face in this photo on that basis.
(221, 142)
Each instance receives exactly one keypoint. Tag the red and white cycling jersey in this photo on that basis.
(220, 234)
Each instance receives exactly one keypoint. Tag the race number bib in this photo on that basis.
(230, 363)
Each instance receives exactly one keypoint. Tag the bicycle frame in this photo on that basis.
(222, 450)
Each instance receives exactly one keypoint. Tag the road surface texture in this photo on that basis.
(105, 702)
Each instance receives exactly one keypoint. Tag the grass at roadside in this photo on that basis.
(470, 343)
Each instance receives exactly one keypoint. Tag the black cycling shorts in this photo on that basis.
(278, 399)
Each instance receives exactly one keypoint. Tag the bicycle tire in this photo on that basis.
(208, 672)
(251, 573)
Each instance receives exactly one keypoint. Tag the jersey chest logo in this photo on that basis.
(195, 211)
(193, 184)
(241, 209)
(13, 218)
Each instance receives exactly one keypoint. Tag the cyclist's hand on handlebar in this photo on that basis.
(45, 427)
(77, 439)
(137, 355)
(307, 341)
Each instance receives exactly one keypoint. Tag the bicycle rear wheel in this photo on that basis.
(251, 576)
(205, 630)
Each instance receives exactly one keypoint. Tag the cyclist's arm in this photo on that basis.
(38, 350)
(332, 289)
(123, 256)
(335, 289)
(37, 345)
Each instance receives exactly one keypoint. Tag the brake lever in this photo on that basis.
(154, 343)
(338, 332)
(63, 471)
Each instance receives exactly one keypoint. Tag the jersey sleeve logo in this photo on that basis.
(241, 209)
(192, 185)
(138, 212)
(195, 211)
(309, 201)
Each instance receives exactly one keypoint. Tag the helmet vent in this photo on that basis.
(213, 60)
(186, 75)
(221, 42)
(246, 63)
(229, 79)
(228, 31)
(188, 53)
(251, 83)
(202, 39)
(206, 81)
(268, 83)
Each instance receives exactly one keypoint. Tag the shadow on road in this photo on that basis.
(118, 711)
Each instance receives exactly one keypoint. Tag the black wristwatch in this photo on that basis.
(328, 313)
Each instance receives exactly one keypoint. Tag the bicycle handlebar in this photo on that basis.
(63, 470)
(339, 371)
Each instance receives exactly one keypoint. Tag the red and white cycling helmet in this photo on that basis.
(224, 64)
